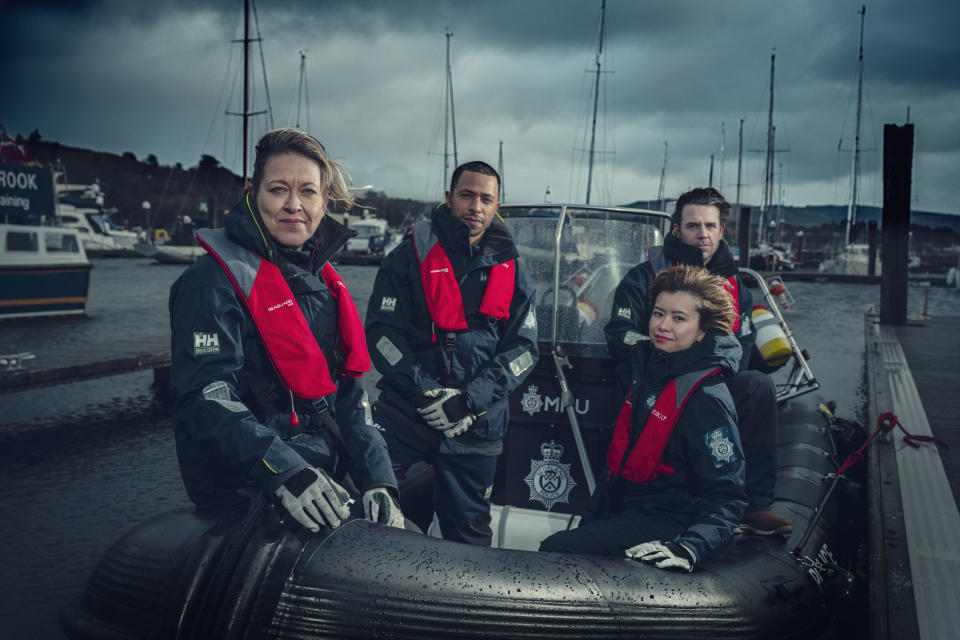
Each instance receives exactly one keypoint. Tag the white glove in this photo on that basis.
(451, 411)
(663, 555)
(379, 506)
(314, 499)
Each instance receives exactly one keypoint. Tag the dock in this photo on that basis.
(914, 523)
(77, 362)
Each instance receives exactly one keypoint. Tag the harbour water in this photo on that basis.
(83, 463)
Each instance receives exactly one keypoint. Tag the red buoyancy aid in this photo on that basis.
(640, 462)
(658, 263)
(292, 347)
(442, 292)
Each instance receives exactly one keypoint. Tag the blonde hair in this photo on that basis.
(288, 140)
(715, 306)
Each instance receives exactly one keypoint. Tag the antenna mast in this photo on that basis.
(596, 98)
(855, 169)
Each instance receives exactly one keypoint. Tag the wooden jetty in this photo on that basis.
(65, 364)
(914, 523)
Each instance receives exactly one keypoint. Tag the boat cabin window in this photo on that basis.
(596, 249)
(22, 241)
(60, 242)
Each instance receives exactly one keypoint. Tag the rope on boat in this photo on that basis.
(885, 424)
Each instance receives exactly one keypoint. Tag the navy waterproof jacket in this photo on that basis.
(489, 360)
(707, 489)
(630, 315)
(233, 415)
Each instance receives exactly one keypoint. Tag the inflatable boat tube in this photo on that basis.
(368, 581)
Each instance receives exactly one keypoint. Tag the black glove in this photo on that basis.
(314, 499)
(663, 555)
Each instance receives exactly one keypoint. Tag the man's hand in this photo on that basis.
(451, 411)
(379, 506)
(314, 499)
(663, 555)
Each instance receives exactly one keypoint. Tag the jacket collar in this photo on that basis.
(677, 252)
(715, 350)
(497, 243)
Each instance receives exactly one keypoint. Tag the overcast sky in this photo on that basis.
(157, 77)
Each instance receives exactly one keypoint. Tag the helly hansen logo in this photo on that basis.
(388, 304)
(205, 344)
(286, 303)
(624, 312)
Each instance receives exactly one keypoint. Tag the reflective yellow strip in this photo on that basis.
(250, 209)
(268, 465)
(40, 301)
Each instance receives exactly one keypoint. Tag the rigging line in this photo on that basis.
(263, 64)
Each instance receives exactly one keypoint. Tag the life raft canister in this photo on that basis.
(771, 341)
(284, 332)
(639, 461)
(442, 292)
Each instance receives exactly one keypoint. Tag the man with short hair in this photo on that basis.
(451, 327)
(698, 223)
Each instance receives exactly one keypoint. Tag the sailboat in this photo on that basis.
(854, 259)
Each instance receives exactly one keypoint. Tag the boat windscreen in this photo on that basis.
(596, 249)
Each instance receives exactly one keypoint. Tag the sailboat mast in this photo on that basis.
(246, 84)
(768, 169)
(446, 116)
(723, 149)
(503, 191)
(855, 168)
(449, 118)
(739, 168)
(663, 177)
(453, 113)
(596, 99)
(303, 82)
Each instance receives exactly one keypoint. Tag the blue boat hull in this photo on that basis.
(40, 291)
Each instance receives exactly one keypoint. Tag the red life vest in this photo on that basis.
(291, 346)
(442, 291)
(658, 263)
(640, 461)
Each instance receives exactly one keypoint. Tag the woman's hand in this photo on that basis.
(379, 506)
(663, 555)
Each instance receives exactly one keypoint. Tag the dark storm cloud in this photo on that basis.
(155, 78)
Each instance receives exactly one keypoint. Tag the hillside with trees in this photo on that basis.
(175, 190)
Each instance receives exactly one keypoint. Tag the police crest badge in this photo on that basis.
(532, 402)
(720, 443)
(549, 479)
